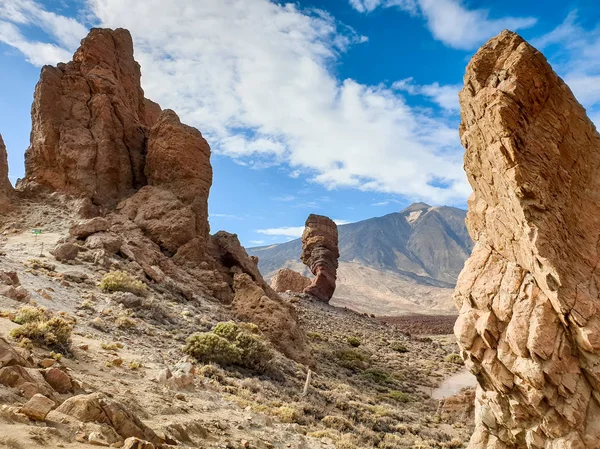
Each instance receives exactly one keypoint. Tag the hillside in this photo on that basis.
(408, 261)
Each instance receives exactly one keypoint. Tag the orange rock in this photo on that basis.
(320, 253)
(529, 324)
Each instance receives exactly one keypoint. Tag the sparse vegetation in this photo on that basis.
(231, 344)
(399, 347)
(121, 281)
(353, 341)
(39, 326)
(454, 358)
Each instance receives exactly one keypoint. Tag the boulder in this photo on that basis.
(320, 253)
(59, 380)
(64, 252)
(28, 381)
(136, 443)
(6, 188)
(109, 242)
(91, 121)
(97, 408)
(10, 357)
(37, 407)
(82, 229)
(529, 324)
(289, 280)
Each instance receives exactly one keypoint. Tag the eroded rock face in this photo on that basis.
(529, 324)
(178, 160)
(289, 280)
(6, 189)
(91, 121)
(320, 253)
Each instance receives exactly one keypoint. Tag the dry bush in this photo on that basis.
(121, 281)
(38, 326)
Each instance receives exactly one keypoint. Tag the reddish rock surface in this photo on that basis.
(178, 160)
(320, 253)
(6, 189)
(529, 323)
(289, 280)
(91, 121)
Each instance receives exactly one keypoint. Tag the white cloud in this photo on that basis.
(286, 231)
(67, 32)
(257, 242)
(370, 5)
(445, 96)
(293, 231)
(255, 77)
(575, 54)
(450, 22)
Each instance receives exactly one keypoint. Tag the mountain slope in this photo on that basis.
(402, 262)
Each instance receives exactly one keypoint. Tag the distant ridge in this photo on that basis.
(403, 262)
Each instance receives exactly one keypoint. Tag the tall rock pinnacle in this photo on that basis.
(320, 253)
(91, 120)
(529, 323)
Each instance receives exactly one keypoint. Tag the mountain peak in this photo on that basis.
(416, 206)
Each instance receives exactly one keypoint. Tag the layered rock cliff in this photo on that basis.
(529, 324)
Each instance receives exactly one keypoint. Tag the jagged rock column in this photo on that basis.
(529, 323)
(6, 189)
(90, 122)
(320, 253)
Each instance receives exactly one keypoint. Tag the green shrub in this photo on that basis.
(121, 281)
(399, 396)
(230, 344)
(454, 358)
(378, 376)
(353, 341)
(399, 347)
(352, 359)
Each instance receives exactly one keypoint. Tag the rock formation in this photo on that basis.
(95, 136)
(6, 189)
(320, 254)
(529, 324)
(289, 280)
(91, 122)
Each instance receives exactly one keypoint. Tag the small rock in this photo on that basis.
(46, 363)
(83, 347)
(59, 380)
(136, 443)
(37, 407)
(75, 276)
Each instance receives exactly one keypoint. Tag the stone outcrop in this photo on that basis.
(289, 280)
(529, 323)
(320, 253)
(6, 189)
(91, 122)
(143, 179)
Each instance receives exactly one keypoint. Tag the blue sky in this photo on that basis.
(345, 108)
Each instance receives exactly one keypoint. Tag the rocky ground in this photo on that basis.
(370, 385)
